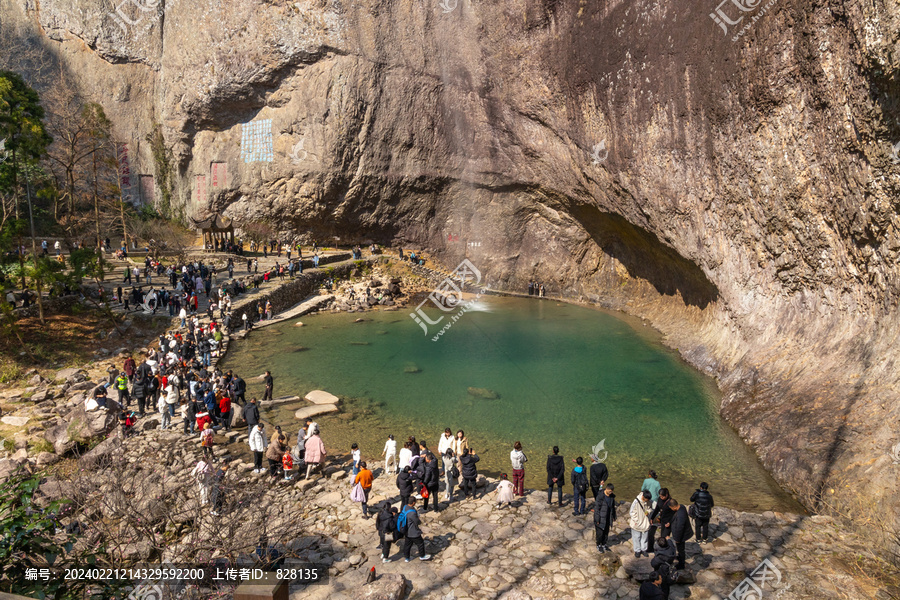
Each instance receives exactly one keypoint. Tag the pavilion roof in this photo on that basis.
(215, 222)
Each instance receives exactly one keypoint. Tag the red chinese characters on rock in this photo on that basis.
(219, 174)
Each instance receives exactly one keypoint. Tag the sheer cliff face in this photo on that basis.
(733, 184)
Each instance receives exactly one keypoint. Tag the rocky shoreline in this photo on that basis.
(529, 551)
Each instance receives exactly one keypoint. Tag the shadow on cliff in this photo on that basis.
(645, 257)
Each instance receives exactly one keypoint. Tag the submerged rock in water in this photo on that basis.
(483, 393)
(412, 369)
(359, 343)
(321, 397)
(300, 348)
(312, 411)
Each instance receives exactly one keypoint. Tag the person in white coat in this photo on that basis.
(203, 474)
(390, 455)
(445, 442)
(639, 522)
(405, 457)
(258, 445)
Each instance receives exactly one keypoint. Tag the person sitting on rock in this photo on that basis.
(100, 396)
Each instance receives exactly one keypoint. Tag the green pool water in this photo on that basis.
(564, 375)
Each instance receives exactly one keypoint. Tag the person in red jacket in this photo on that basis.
(202, 419)
(225, 411)
(129, 368)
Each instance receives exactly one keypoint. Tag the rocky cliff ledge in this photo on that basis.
(733, 184)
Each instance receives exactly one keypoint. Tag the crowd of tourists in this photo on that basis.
(658, 522)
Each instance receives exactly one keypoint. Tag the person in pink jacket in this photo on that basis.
(315, 453)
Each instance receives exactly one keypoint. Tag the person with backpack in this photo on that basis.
(404, 486)
(410, 527)
(451, 473)
(681, 531)
(579, 486)
(469, 472)
(518, 460)
(702, 509)
(604, 516)
(556, 475)
(639, 522)
(386, 523)
(206, 441)
(430, 482)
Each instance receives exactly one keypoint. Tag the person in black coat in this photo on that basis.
(556, 475)
(405, 486)
(468, 471)
(650, 590)
(599, 474)
(386, 523)
(604, 516)
(703, 505)
(660, 516)
(681, 530)
(431, 481)
(662, 563)
(251, 414)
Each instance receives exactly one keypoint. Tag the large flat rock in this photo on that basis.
(14, 421)
(312, 411)
(282, 400)
(320, 397)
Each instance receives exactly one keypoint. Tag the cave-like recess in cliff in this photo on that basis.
(646, 257)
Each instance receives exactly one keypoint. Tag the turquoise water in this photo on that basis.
(563, 375)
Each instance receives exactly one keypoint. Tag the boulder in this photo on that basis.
(46, 458)
(387, 586)
(14, 421)
(483, 393)
(100, 453)
(320, 397)
(80, 426)
(65, 374)
(8, 466)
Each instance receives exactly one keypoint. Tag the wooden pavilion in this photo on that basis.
(217, 230)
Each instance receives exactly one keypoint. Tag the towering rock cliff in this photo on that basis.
(724, 171)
